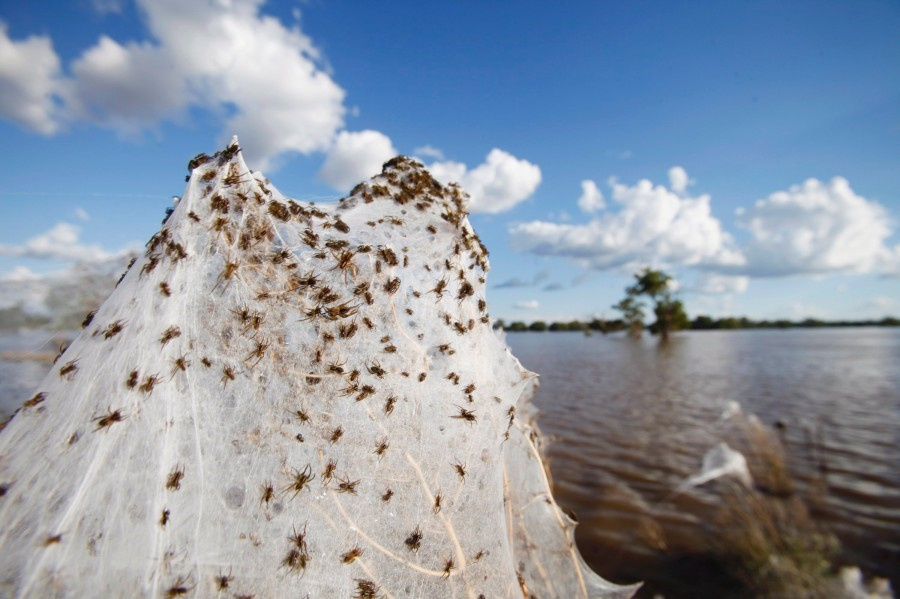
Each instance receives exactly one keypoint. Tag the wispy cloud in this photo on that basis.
(429, 151)
(513, 283)
(528, 305)
(539, 277)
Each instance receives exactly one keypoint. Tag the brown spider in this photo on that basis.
(173, 482)
(169, 334)
(328, 472)
(414, 540)
(300, 478)
(108, 419)
(114, 329)
(381, 448)
(345, 485)
(350, 556)
(467, 415)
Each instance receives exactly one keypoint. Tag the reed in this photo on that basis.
(765, 537)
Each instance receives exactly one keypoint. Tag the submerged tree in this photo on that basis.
(669, 311)
(633, 314)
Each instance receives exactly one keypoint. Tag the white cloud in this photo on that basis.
(60, 242)
(266, 80)
(81, 214)
(528, 305)
(591, 199)
(652, 224)
(29, 82)
(678, 179)
(816, 228)
(496, 185)
(430, 152)
(120, 86)
(714, 284)
(355, 157)
(811, 229)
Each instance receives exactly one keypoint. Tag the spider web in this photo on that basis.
(284, 344)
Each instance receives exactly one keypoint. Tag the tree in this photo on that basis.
(538, 325)
(650, 282)
(670, 316)
(669, 311)
(633, 314)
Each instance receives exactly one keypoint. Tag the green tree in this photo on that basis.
(669, 311)
(670, 316)
(653, 283)
(633, 314)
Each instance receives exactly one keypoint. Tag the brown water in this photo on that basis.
(628, 421)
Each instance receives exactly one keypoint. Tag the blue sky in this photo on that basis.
(751, 149)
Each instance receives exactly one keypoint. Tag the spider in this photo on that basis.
(108, 419)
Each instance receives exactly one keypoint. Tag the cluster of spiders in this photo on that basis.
(334, 294)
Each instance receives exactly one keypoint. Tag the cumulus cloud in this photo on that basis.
(591, 199)
(528, 305)
(265, 79)
(678, 179)
(126, 87)
(652, 224)
(814, 228)
(496, 185)
(81, 214)
(29, 82)
(354, 157)
(60, 242)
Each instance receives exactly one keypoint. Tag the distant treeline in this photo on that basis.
(700, 323)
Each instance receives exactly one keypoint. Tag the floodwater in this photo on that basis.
(626, 422)
(19, 378)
